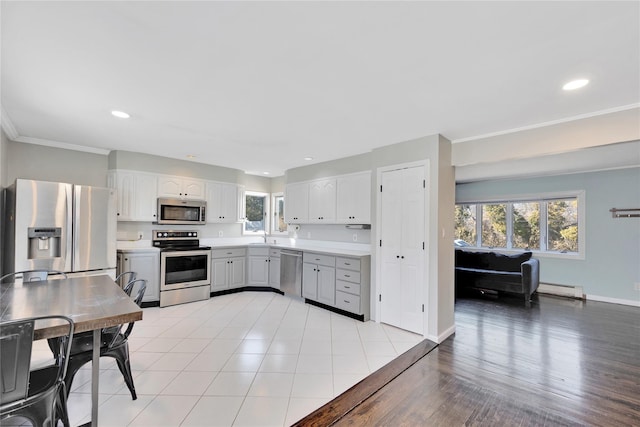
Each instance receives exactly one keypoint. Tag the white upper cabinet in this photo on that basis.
(222, 202)
(137, 195)
(297, 203)
(322, 201)
(344, 199)
(354, 199)
(180, 187)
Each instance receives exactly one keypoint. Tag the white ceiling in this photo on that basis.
(257, 86)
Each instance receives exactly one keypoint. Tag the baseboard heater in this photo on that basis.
(561, 290)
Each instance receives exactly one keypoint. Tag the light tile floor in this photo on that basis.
(245, 359)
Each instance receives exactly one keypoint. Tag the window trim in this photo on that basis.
(579, 195)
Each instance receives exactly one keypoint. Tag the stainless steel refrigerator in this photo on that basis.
(59, 226)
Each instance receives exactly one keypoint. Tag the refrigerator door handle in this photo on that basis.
(68, 225)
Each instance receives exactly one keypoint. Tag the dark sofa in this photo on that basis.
(493, 271)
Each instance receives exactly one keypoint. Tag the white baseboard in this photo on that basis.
(561, 290)
(613, 300)
(443, 336)
(577, 292)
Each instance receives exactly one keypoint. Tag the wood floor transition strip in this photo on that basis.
(333, 411)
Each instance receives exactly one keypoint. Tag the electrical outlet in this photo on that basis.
(355, 237)
(636, 286)
(220, 233)
(308, 234)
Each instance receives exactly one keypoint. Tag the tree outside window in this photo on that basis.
(562, 225)
(255, 211)
(494, 225)
(465, 223)
(526, 226)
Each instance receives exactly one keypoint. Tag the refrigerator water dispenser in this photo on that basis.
(44, 242)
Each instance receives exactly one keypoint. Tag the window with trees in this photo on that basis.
(256, 212)
(549, 225)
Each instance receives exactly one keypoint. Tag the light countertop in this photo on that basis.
(336, 248)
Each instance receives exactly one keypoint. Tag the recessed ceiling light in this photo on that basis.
(120, 114)
(190, 156)
(575, 84)
(265, 173)
(308, 158)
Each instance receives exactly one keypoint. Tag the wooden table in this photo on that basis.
(93, 302)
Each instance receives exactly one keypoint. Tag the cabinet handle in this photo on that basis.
(346, 275)
(347, 287)
(346, 263)
(346, 301)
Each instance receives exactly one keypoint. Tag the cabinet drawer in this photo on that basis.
(229, 252)
(348, 302)
(348, 287)
(319, 259)
(349, 276)
(274, 253)
(348, 263)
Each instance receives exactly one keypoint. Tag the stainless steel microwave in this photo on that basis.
(179, 211)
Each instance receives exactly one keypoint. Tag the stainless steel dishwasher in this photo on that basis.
(291, 272)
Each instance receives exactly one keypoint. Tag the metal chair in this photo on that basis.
(37, 395)
(114, 343)
(32, 275)
(126, 277)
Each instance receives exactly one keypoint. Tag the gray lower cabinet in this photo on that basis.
(274, 268)
(228, 268)
(319, 277)
(258, 266)
(147, 265)
(352, 285)
(338, 281)
(263, 267)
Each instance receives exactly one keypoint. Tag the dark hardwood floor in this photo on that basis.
(563, 362)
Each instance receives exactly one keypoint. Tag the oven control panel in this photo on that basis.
(174, 235)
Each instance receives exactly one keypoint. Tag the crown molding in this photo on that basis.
(13, 135)
(64, 145)
(550, 123)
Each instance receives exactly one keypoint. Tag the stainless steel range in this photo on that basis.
(185, 267)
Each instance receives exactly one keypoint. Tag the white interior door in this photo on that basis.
(403, 248)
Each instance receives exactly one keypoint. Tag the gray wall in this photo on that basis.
(163, 165)
(359, 163)
(30, 161)
(612, 255)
